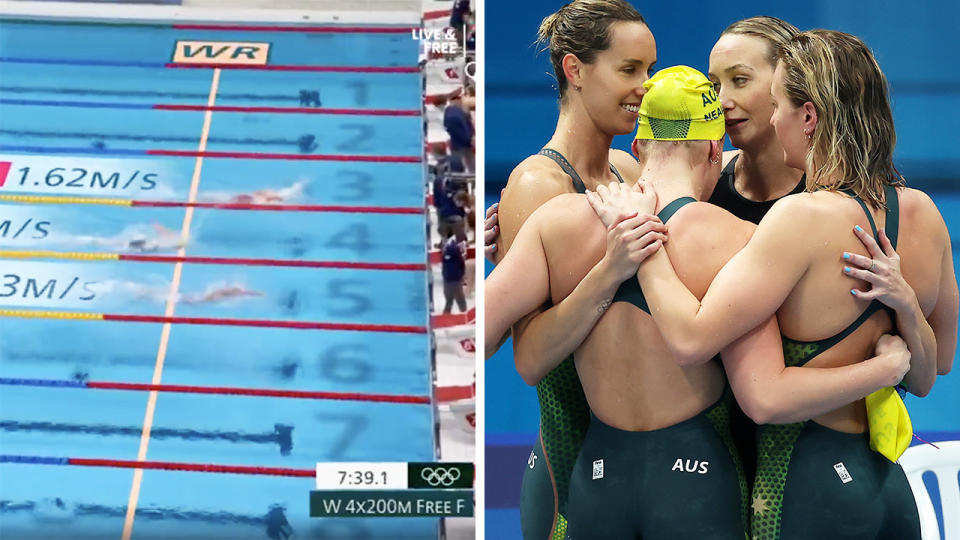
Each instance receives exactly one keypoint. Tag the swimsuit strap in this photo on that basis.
(558, 158)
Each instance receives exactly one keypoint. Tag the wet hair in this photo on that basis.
(776, 32)
(582, 28)
(852, 146)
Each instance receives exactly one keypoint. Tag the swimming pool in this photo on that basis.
(202, 230)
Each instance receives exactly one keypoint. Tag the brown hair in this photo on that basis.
(582, 28)
(776, 32)
(852, 146)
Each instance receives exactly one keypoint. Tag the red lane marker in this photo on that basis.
(4, 169)
(260, 323)
(193, 467)
(321, 69)
(263, 155)
(451, 319)
(284, 207)
(282, 110)
(303, 29)
(430, 15)
(235, 391)
(273, 262)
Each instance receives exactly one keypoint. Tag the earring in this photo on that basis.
(807, 133)
(715, 160)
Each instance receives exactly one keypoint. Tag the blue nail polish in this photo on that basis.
(846, 255)
(858, 228)
(846, 269)
(853, 292)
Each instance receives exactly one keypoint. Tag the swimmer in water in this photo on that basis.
(291, 193)
(219, 293)
(140, 238)
(164, 240)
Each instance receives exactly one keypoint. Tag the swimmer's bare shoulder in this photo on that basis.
(701, 238)
(626, 165)
(565, 220)
(930, 259)
(812, 209)
(728, 155)
(918, 208)
(533, 182)
(567, 223)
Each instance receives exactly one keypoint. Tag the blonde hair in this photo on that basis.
(776, 32)
(652, 149)
(582, 28)
(852, 146)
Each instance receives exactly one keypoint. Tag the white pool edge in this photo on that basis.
(152, 13)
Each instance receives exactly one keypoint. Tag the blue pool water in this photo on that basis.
(77, 115)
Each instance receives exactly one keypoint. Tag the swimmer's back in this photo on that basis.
(820, 225)
(625, 350)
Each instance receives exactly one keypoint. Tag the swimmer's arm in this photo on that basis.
(517, 286)
(770, 393)
(528, 188)
(543, 341)
(910, 321)
(922, 341)
(943, 318)
(746, 292)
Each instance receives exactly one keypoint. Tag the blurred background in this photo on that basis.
(914, 45)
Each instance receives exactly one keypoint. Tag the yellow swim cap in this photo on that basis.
(680, 105)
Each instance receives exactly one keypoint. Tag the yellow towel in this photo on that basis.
(890, 426)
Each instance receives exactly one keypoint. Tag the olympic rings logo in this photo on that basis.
(440, 476)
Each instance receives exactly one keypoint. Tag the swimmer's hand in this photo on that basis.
(630, 241)
(491, 231)
(617, 200)
(881, 270)
(893, 352)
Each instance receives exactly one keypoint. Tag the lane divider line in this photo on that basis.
(295, 263)
(287, 110)
(216, 321)
(300, 29)
(294, 157)
(215, 108)
(218, 390)
(153, 65)
(157, 465)
(314, 69)
(68, 199)
(87, 150)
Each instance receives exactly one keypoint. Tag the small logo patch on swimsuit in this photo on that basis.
(532, 460)
(598, 469)
(842, 473)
